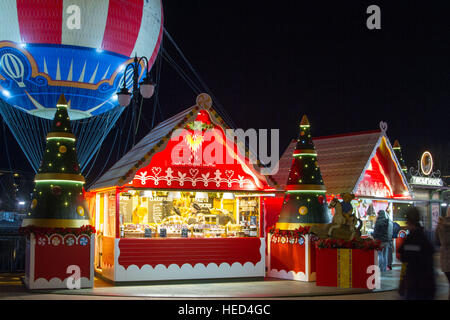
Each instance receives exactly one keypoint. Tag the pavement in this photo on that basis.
(12, 288)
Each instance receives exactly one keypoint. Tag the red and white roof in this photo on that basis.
(363, 163)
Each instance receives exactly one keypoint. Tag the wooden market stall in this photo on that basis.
(362, 163)
(183, 203)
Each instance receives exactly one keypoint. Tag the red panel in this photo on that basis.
(312, 256)
(40, 21)
(326, 271)
(288, 257)
(361, 259)
(273, 207)
(214, 164)
(140, 252)
(122, 26)
(390, 168)
(52, 261)
(383, 173)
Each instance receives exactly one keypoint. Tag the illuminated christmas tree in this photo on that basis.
(305, 201)
(58, 199)
(398, 153)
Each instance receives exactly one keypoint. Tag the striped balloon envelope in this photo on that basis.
(76, 47)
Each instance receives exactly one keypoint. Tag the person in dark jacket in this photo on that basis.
(416, 254)
(383, 232)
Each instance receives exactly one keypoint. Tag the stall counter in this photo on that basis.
(182, 258)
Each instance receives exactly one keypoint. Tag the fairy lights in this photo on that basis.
(59, 181)
(61, 138)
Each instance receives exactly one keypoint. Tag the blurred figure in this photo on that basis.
(443, 235)
(416, 254)
(383, 232)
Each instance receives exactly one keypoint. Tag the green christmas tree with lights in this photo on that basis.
(58, 199)
(398, 153)
(305, 200)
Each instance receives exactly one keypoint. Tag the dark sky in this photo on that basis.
(270, 62)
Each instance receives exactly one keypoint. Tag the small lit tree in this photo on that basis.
(58, 199)
(305, 200)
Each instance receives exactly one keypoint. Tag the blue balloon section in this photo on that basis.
(33, 77)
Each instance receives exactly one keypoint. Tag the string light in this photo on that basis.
(59, 181)
(60, 138)
(305, 154)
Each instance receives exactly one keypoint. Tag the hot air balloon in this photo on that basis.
(78, 48)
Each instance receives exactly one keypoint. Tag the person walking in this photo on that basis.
(383, 233)
(443, 235)
(416, 254)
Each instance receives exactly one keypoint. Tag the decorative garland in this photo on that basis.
(40, 231)
(364, 244)
(301, 231)
(199, 126)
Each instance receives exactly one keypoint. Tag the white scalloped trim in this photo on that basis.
(291, 275)
(57, 283)
(187, 271)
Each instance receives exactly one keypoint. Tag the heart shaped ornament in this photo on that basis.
(383, 126)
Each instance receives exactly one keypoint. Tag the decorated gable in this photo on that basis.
(382, 176)
(199, 155)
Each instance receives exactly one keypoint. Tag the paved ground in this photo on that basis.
(11, 287)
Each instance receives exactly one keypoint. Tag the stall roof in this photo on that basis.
(156, 140)
(343, 159)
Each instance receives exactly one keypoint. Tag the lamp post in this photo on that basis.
(146, 88)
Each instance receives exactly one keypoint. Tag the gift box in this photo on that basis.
(344, 268)
(59, 261)
(292, 258)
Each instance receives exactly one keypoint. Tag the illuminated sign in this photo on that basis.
(427, 181)
(426, 163)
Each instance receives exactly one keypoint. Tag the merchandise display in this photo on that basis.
(144, 214)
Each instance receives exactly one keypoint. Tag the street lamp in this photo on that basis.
(146, 89)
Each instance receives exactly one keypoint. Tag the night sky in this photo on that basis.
(270, 62)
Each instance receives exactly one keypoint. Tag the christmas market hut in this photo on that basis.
(183, 203)
(364, 164)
